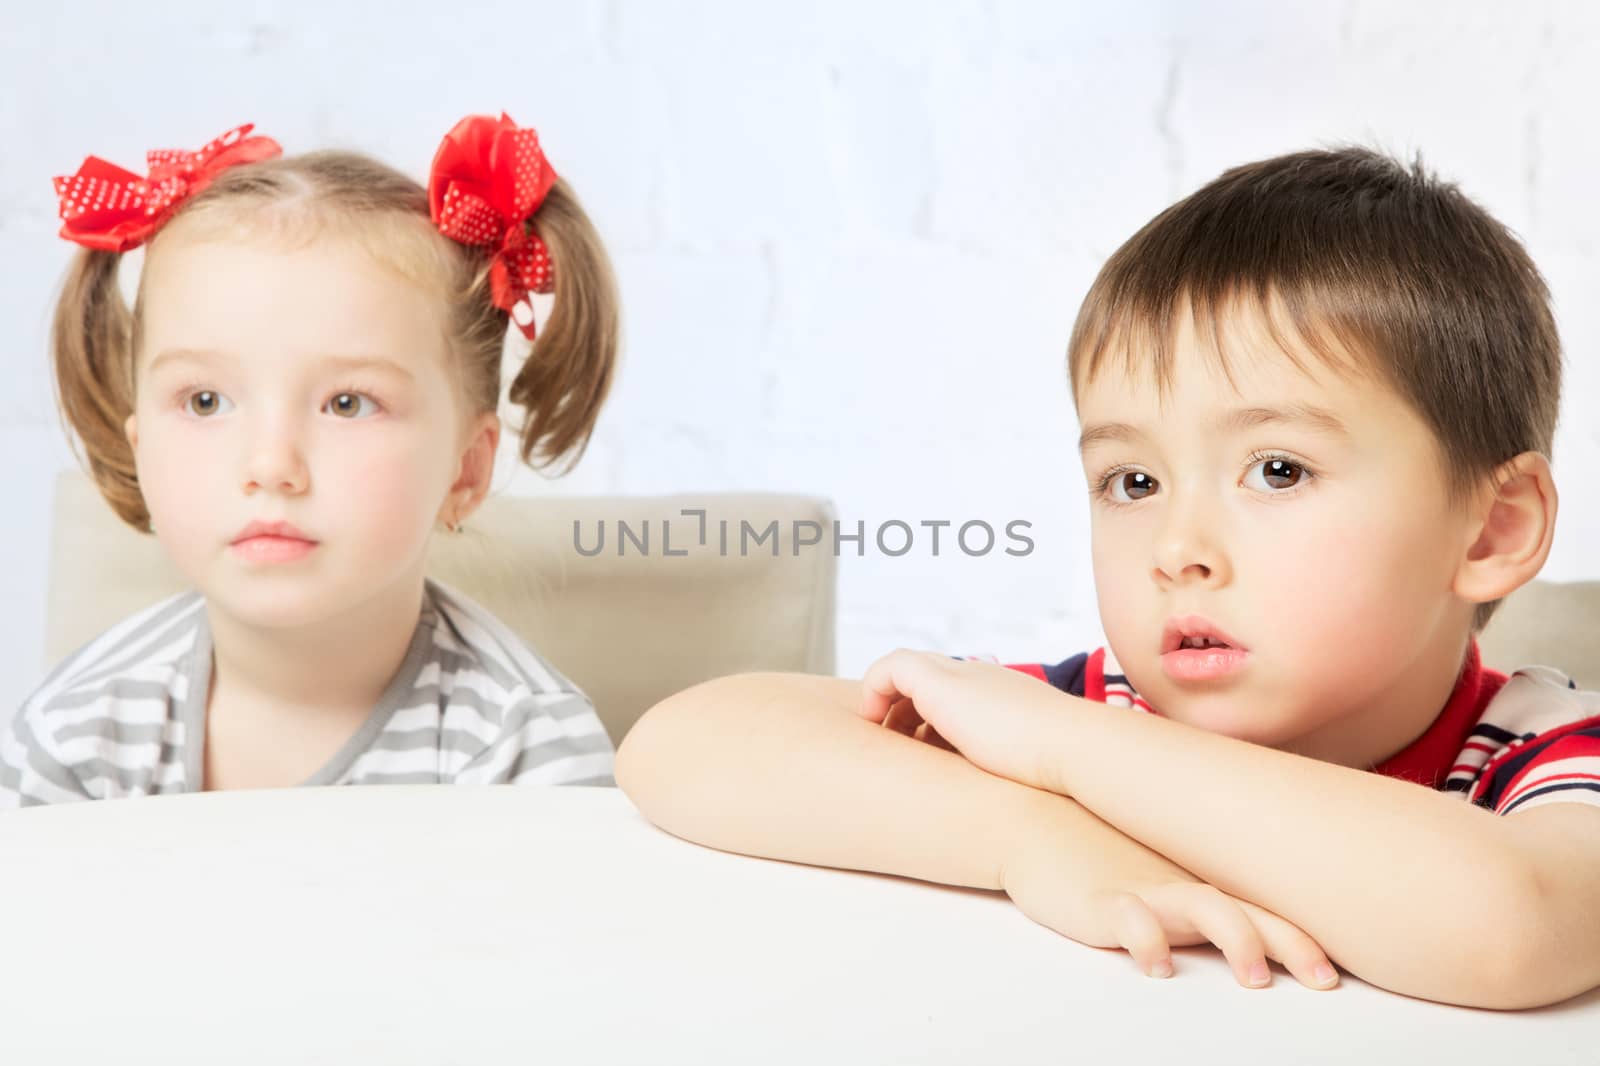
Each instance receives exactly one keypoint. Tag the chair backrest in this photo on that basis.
(631, 624)
(1551, 623)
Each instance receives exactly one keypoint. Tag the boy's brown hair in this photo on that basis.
(95, 337)
(1375, 267)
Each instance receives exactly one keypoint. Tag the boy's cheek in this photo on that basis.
(1129, 608)
(1342, 601)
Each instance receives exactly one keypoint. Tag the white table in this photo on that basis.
(452, 925)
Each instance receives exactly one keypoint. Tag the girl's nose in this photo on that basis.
(276, 461)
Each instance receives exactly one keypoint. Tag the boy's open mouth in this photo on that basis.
(1195, 633)
(1193, 649)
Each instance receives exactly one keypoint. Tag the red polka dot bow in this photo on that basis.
(113, 210)
(488, 179)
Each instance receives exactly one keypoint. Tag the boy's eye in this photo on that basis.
(1277, 474)
(348, 404)
(1132, 485)
(205, 402)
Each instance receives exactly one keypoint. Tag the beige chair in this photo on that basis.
(1551, 623)
(629, 628)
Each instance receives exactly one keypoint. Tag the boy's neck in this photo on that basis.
(1368, 736)
(343, 663)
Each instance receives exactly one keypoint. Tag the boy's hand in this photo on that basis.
(1135, 899)
(1128, 897)
(997, 717)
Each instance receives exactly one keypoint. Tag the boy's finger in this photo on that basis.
(903, 717)
(934, 737)
(1286, 942)
(875, 705)
(1221, 920)
(879, 689)
(1138, 930)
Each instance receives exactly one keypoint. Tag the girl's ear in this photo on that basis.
(1513, 526)
(476, 471)
(130, 429)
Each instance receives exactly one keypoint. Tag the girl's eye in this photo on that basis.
(206, 403)
(1131, 485)
(348, 404)
(1277, 473)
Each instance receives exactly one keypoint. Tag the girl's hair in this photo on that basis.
(95, 337)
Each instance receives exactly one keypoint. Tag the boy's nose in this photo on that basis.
(1199, 573)
(1188, 550)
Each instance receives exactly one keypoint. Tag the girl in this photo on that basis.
(304, 389)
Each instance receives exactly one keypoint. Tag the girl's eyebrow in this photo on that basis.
(380, 363)
(1241, 418)
(343, 363)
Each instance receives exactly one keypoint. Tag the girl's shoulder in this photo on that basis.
(471, 640)
(507, 714)
(151, 646)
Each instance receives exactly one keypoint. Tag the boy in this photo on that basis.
(1316, 400)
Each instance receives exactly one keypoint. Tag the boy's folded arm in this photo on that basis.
(779, 765)
(782, 766)
(1411, 889)
(1561, 843)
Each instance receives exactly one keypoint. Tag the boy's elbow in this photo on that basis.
(664, 745)
(645, 752)
(1531, 979)
(1537, 955)
(1557, 954)
(1496, 944)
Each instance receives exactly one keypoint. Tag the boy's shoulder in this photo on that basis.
(1537, 741)
(1094, 675)
(1503, 742)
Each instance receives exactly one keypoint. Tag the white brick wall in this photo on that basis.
(851, 236)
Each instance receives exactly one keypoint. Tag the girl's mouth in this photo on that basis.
(270, 549)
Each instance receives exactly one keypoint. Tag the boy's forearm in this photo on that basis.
(778, 765)
(1409, 888)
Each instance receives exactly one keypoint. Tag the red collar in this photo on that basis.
(1429, 758)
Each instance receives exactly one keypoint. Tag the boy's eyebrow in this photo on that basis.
(345, 363)
(1241, 418)
(1316, 417)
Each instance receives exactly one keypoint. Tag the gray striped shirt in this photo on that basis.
(471, 704)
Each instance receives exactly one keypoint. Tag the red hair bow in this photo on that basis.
(113, 210)
(488, 179)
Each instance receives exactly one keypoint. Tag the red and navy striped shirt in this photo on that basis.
(1506, 743)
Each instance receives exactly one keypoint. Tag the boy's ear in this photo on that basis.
(1512, 526)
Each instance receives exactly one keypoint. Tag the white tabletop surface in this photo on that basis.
(454, 925)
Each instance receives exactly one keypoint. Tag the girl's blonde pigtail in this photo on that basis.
(565, 379)
(91, 341)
